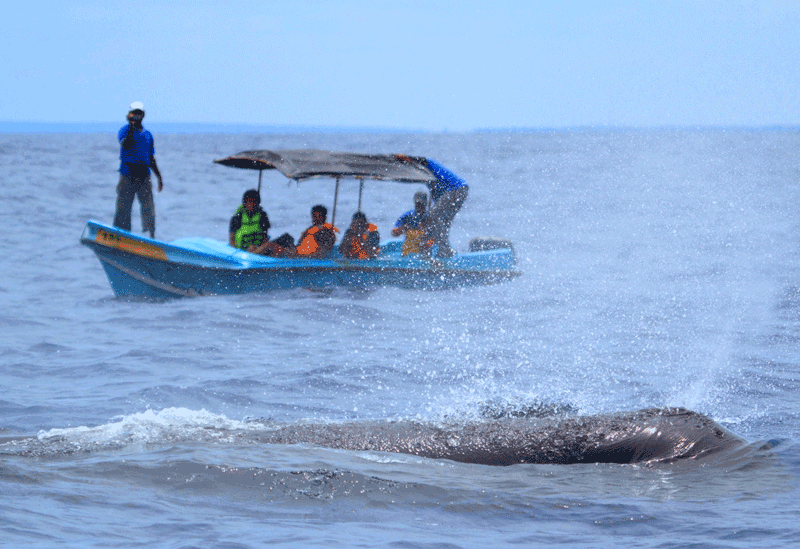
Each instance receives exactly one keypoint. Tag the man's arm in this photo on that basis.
(373, 243)
(344, 246)
(265, 243)
(293, 251)
(127, 141)
(326, 238)
(154, 167)
(233, 226)
(262, 249)
(401, 225)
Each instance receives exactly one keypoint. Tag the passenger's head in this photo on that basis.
(359, 221)
(420, 201)
(319, 214)
(251, 200)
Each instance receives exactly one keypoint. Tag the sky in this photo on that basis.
(405, 65)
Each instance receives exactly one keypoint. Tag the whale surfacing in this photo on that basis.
(652, 435)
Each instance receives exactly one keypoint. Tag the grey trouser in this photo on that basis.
(440, 217)
(127, 188)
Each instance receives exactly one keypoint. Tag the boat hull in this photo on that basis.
(137, 266)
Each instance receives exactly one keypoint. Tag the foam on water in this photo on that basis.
(169, 424)
(145, 429)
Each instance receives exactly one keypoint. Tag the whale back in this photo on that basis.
(652, 435)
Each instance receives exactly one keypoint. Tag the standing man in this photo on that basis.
(136, 156)
(448, 194)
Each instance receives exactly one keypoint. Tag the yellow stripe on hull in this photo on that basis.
(124, 243)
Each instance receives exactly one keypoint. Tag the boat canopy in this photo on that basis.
(303, 164)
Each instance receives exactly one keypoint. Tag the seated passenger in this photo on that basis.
(361, 241)
(411, 223)
(317, 241)
(250, 225)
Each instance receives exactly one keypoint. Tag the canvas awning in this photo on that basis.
(303, 164)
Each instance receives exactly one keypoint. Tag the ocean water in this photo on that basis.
(660, 268)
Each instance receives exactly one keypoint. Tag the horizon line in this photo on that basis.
(8, 126)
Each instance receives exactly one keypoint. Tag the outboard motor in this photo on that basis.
(483, 243)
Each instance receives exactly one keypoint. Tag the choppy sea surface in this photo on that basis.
(661, 268)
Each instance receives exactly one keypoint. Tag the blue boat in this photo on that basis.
(138, 266)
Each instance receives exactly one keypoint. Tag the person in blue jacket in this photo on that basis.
(448, 194)
(137, 158)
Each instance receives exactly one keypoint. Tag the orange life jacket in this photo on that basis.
(357, 249)
(308, 245)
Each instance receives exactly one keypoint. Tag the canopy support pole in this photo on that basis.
(360, 192)
(260, 172)
(335, 201)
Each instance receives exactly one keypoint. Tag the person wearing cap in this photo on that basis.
(137, 158)
(411, 223)
(249, 228)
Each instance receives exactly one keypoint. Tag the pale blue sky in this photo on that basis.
(431, 65)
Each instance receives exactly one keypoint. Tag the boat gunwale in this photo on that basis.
(337, 265)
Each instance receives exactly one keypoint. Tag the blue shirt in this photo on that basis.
(410, 219)
(445, 180)
(135, 162)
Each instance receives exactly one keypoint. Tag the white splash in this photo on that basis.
(167, 425)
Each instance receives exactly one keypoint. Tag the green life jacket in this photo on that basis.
(250, 233)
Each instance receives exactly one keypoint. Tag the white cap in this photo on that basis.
(136, 106)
